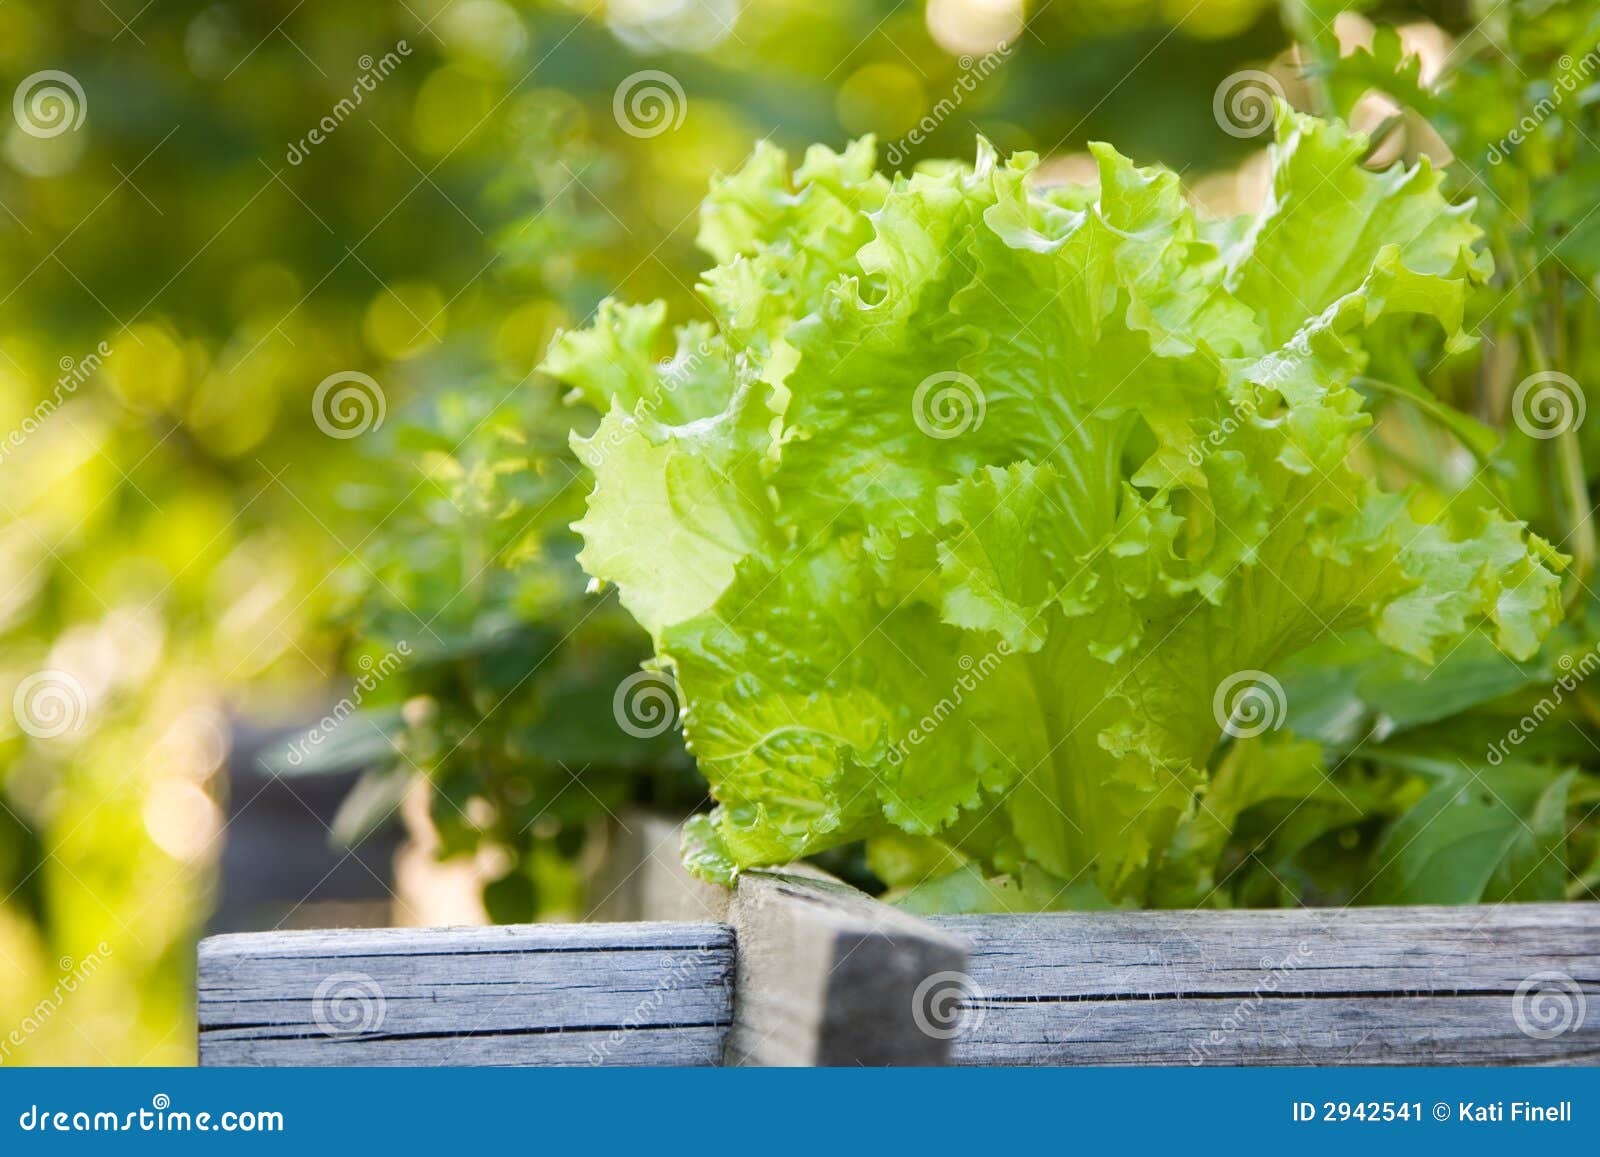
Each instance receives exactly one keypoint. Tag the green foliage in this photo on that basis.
(1514, 109)
(509, 674)
(977, 498)
(1493, 764)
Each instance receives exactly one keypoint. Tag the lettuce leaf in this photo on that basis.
(977, 496)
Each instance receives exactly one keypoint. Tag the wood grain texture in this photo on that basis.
(1355, 986)
(828, 976)
(825, 974)
(544, 994)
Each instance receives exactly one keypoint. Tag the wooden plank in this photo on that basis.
(543, 994)
(825, 974)
(828, 976)
(1502, 984)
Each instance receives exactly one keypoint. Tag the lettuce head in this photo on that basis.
(981, 509)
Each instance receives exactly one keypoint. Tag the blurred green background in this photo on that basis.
(273, 415)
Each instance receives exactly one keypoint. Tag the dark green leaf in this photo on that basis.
(1481, 834)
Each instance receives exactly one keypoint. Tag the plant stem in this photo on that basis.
(1574, 481)
(1437, 410)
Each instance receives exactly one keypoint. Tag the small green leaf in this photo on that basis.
(371, 803)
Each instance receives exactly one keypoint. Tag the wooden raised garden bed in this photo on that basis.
(794, 968)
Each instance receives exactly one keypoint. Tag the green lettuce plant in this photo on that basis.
(1487, 767)
(981, 509)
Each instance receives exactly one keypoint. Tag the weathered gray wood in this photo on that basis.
(828, 976)
(543, 994)
(1326, 987)
(825, 974)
